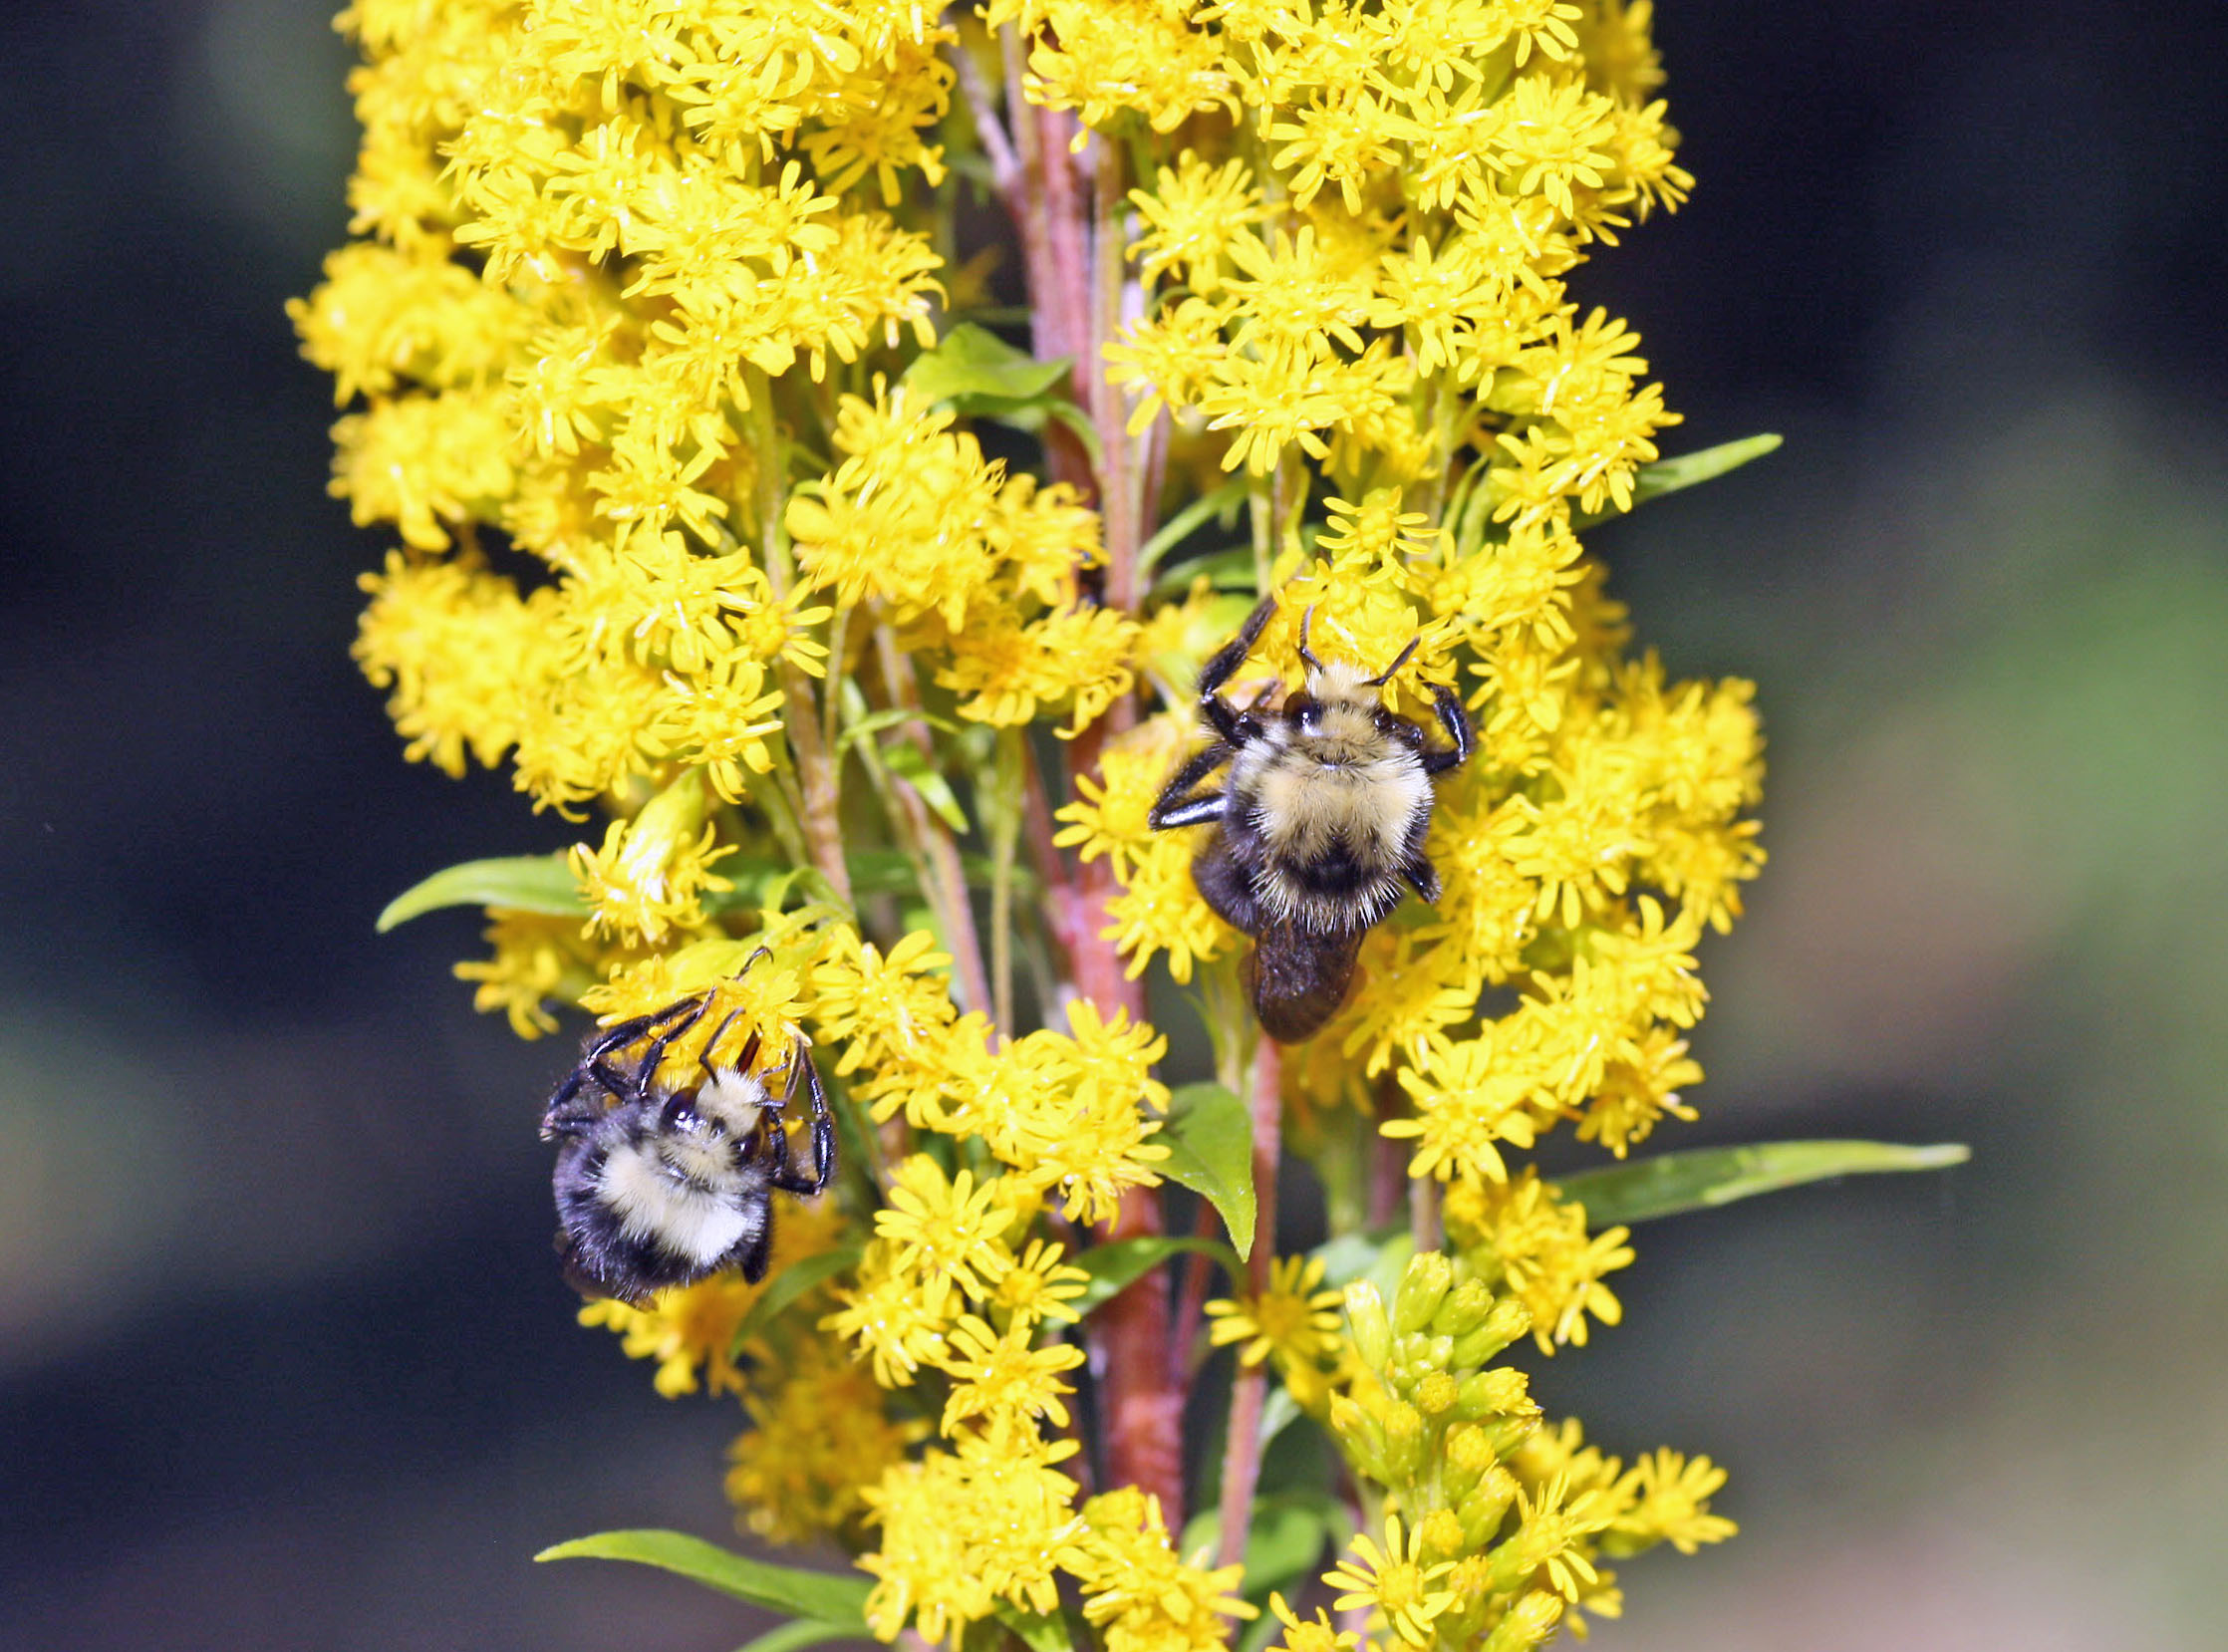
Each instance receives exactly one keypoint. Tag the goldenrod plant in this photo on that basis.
(825, 439)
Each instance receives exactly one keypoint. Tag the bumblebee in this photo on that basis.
(662, 1184)
(1319, 826)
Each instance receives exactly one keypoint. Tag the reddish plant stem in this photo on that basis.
(1241, 1446)
(1190, 1296)
(1388, 1160)
(1142, 1407)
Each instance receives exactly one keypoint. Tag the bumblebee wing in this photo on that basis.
(1297, 980)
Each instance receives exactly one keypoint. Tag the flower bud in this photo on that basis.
(1495, 1393)
(1422, 1288)
(1507, 1319)
(1404, 1441)
(1531, 1621)
(1487, 1505)
(1368, 1325)
(1464, 1310)
(1435, 1395)
(1441, 1535)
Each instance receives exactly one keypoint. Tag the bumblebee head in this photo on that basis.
(1335, 683)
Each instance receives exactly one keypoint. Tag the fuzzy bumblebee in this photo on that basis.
(662, 1184)
(1319, 826)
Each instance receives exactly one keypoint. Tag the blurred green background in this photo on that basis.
(283, 1363)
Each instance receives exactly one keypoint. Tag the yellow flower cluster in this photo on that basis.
(628, 361)
(1493, 1524)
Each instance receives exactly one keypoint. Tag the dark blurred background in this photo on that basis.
(283, 1363)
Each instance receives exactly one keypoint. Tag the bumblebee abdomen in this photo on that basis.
(1297, 980)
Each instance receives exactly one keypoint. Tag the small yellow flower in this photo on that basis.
(1393, 1582)
(1301, 1635)
(1003, 1375)
(1292, 1318)
(948, 1229)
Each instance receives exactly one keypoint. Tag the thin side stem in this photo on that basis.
(817, 775)
(1242, 1447)
(935, 838)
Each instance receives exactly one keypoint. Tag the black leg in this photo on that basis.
(749, 1047)
(1392, 671)
(1456, 722)
(754, 1253)
(664, 1041)
(1224, 665)
(822, 1126)
(1171, 799)
(1423, 877)
(570, 1112)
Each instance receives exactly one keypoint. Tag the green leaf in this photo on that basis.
(888, 717)
(1209, 1138)
(1038, 1634)
(1278, 1412)
(1653, 481)
(1222, 503)
(797, 1634)
(518, 883)
(1359, 1255)
(1688, 470)
(828, 1597)
(1115, 1267)
(971, 361)
(789, 1284)
(1230, 570)
(1704, 1176)
(1283, 1541)
(911, 764)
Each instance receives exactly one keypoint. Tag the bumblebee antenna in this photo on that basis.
(1393, 670)
(1305, 654)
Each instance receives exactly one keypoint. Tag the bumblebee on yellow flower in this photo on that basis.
(859, 626)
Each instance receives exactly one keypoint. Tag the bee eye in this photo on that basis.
(679, 1111)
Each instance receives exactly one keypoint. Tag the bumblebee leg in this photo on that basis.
(753, 1255)
(824, 1134)
(664, 1041)
(1173, 808)
(1223, 664)
(1456, 722)
(749, 1047)
(1392, 671)
(569, 1112)
(1422, 877)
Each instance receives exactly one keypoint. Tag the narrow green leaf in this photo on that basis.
(1688, 470)
(1230, 570)
(829, 1598)
(1076, 419)
(518, 883)
(970, 360)
(1696, 1180)
(1209, 1138)
(1221, 502)
(888, 717)
(794, 1636)
(1278, 1412)
(1653, 481)
(789, 1284)
(911, 764)
(1115, 1267)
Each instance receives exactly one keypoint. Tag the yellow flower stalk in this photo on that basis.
(856, 618)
